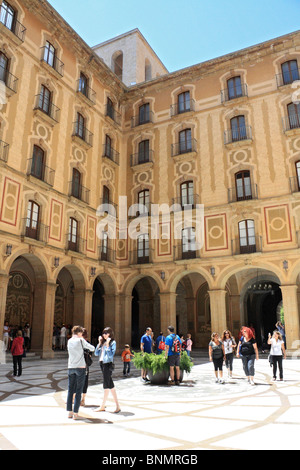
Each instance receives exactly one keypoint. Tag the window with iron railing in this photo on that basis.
(8, 17)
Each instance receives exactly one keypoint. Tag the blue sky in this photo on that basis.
(183, 33)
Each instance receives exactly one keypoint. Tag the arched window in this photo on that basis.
(4, 67)
(234, 88)
(73, 239)
(144, 151)
(45, 100)
(8, 15)
(144, 200)
(117, 64)
(247, 236)
(290, 71)
(243, 185)
(32, 220)
(38, 163)
(80, 126)
(238, 128)
(294, 115)
(76, 184)
(185, 141)
(187, 193)
(184, 102)
(144, 113)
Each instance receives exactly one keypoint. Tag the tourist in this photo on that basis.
(183, 343)
(63, 338)
(248, 350)
(280, 327)
(217, 356)
(126, 359)
(277, 353)
(86, 382)
(172, 352)
(17, 350)
(27, 336)
(106, 350)
(6, 334)
(189, 344)
(229, 346)
(146, 347)
(76, 369)
(160, 343)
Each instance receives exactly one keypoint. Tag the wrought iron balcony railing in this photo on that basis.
(290, 122)
(52, 61)
(4, 151)
(177, 108)
(246, 245)
(243, 193)
(75, 243)
(141, 256)
(86, 91)
(238, 134)
(111, 153)
(141, 157)
(113, 114)
(9, 79)
(140, 120)
(233, 93)
(186, 251)
(79, 192)
(35, 230)
(40, 171)
(13, 25)
(83, 133)
(286, 78)
(184, 203)
(107, 254)
(47, 107)
(181, 148)
(108, 207)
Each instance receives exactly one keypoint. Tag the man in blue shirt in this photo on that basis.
(146, 347)
(173, 351)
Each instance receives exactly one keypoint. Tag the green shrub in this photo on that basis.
(157, 363)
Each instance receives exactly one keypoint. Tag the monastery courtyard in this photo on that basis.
(197, 415)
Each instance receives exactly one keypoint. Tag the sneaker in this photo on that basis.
(251, 382)
(177, 382)
(172, 382)
(274, 379)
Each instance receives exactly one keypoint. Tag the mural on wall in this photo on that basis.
(18, 304)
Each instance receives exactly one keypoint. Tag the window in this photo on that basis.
(73, 234)
(188, 243)
(80, 126)
(104, 247)
(45, 100)
(298, 174)
(49, 54)
(110, 108)
(243, 185)
(184, 102)
(238, 128)
(83, 85)
(187, 193)
(294, 115)
(144, 113)
(290, 71)
(4, 65)
(234, 87)
(144, 200)
(144, 151)
(8, 15)
(32, 221)
(38, 163)
(106, 195)
(185, 141)
(247, 236)
(143, 250)
(108, 147)
(76, 184)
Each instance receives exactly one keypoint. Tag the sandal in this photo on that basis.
(98, 410)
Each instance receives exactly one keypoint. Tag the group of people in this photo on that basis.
(60, 336)
(10, 332)
(78, 368)
(222, 350)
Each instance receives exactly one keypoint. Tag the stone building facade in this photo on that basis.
(224, 134)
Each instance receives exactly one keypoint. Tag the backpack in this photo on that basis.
(176, 346)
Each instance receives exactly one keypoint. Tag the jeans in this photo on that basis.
(229, 361)
(17, 361)
(76, 384)
(248, 364)
(277, 359)
(126, 368)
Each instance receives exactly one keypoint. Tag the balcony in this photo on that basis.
(9, 79)
(141, 157)
(246, 246)
(186, 251)
(140, 120)
(40, 171)
(288, 77)
(186, 107)
(232, 94)
(243, 193)
(107, 254)
(3, 151)
(108, 207)
(79, 192)
(238, 134)
(141, 256)
(111, 154)
(52, 61)
(86, 92)
(35, 230)
(12, 26)
(83, 135)
(113, 114)
(47, 108)
(181, 203)
(139, 210)
(75, 243)
(291, 122)
(181, 148)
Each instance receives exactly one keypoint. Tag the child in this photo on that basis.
(183, 343)
(189, 344)
(126, 359)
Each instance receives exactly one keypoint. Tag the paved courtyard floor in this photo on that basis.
(197, 415)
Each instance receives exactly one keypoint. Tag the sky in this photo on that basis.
(183, 32)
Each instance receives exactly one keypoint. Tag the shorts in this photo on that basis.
(218, 363)
(107, 370)
(174, 360)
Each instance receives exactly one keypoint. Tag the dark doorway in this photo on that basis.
(97, 311)
(135, 320)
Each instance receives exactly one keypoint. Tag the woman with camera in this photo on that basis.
(106, 350)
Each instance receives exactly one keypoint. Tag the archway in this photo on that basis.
(97, 310)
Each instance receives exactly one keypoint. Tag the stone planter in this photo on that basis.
(160, 378)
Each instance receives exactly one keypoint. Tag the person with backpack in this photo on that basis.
(173, 352)
(160, 343)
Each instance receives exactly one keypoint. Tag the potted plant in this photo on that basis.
(158, 367)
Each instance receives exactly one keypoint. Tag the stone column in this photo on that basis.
(4, 279)
(88, 309)
(218, 310)
(291, 316)
(123, 320)
(167, 310)
(109, 311)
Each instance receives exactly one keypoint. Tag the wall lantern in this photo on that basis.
(56, 262)
(8, 250)
(213, 271)
(285, 265)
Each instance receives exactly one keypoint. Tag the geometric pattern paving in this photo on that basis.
(197, 415)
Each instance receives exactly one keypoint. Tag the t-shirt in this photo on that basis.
(247, 348)
(276, 349)
(228, 343)
(146, 340)
(126, 356)
(169, 342)
(217, 351)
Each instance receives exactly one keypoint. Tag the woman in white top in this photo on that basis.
(277, 353)
(229, 346)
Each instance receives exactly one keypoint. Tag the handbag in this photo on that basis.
(270, 358)
(87, 356)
